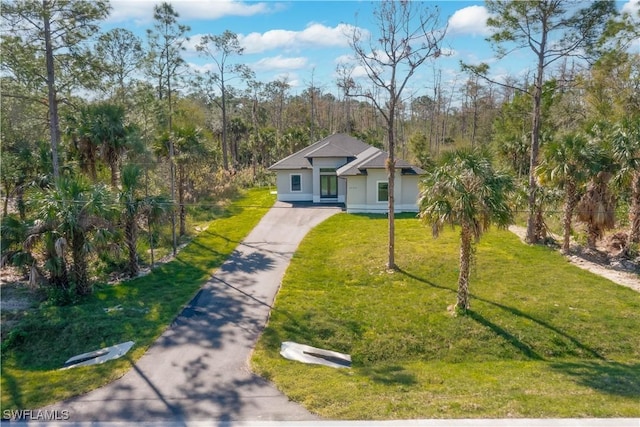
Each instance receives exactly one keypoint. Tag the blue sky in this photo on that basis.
(303, 41)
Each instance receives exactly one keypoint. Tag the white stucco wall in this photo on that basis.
(283, 184)
(333, 163)
(362, 193)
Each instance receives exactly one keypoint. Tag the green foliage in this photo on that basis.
(48, 336)
(419, 146)
(465, 189)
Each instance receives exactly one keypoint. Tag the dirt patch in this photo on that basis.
(605, 261)
(14, 295)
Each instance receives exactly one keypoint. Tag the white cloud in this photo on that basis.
(345, 59)
(470, 20)
(201, 68)
(632, 7)
(448, 52)
(314, 35)
(359, 72)
(137, 11)
(141, 11)
(280, 63)
(292, 79)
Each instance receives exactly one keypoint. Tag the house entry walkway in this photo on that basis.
(198, 369)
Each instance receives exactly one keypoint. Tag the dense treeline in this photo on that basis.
(111, 144)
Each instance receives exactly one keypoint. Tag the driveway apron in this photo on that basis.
(198, 369)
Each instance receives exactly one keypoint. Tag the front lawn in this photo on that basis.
(138, 310)
(543, 337)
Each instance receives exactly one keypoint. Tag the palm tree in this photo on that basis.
(564, 165)
(100, 131)
(189, 152)
(69, 215)
(108, 131)
(626, 152)
(79, 130)
(134, 208)
(465, 190)
(596, 207)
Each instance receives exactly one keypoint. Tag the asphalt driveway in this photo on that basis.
(198, 369)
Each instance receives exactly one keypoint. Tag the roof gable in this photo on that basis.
(336, 145)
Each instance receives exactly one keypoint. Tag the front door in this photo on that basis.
(328, 186)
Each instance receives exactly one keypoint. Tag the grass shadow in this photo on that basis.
(425, 281)
(521, 346)
(390, 375)
(516, 312)
(608, 377)
(506, 335)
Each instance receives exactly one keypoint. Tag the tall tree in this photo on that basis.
(121, 52)
(346, 84)
(44, 39)
(220, 48)
(465, 190)
(552, 30)
(190, 153)
(166, 43)
(409, 35)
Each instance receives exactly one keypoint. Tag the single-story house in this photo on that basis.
(343, 169)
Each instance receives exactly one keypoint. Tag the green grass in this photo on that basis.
(543, 337)
(50, 335)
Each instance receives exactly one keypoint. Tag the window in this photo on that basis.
(296, 183)
(383, 191)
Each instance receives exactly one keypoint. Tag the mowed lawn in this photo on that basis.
(543, 337)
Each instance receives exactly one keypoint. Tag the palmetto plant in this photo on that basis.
(100, 132)
(134, 208)
(565, 165)
(596, 208)
(465, 190)
(70, 216)
(625, 143)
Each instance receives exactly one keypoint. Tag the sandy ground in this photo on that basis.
(615, 274)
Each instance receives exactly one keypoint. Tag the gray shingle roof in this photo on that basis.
(336, 145)
(361, 156)
(375, 159)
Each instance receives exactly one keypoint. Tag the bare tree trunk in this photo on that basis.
(391, 173)
(172, 167)
(131, 238)
(225, 157)
(465, 266)
(570, 204)
(183, 212)
(79, 269)
(634, 211)
(532, 226)
(54, 122)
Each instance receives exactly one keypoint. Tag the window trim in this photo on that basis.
(378, 191)
(291, 175)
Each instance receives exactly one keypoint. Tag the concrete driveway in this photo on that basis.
(198, 369)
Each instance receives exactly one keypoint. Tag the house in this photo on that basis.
(343, 169)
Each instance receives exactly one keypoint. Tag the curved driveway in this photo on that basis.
(198, 369)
